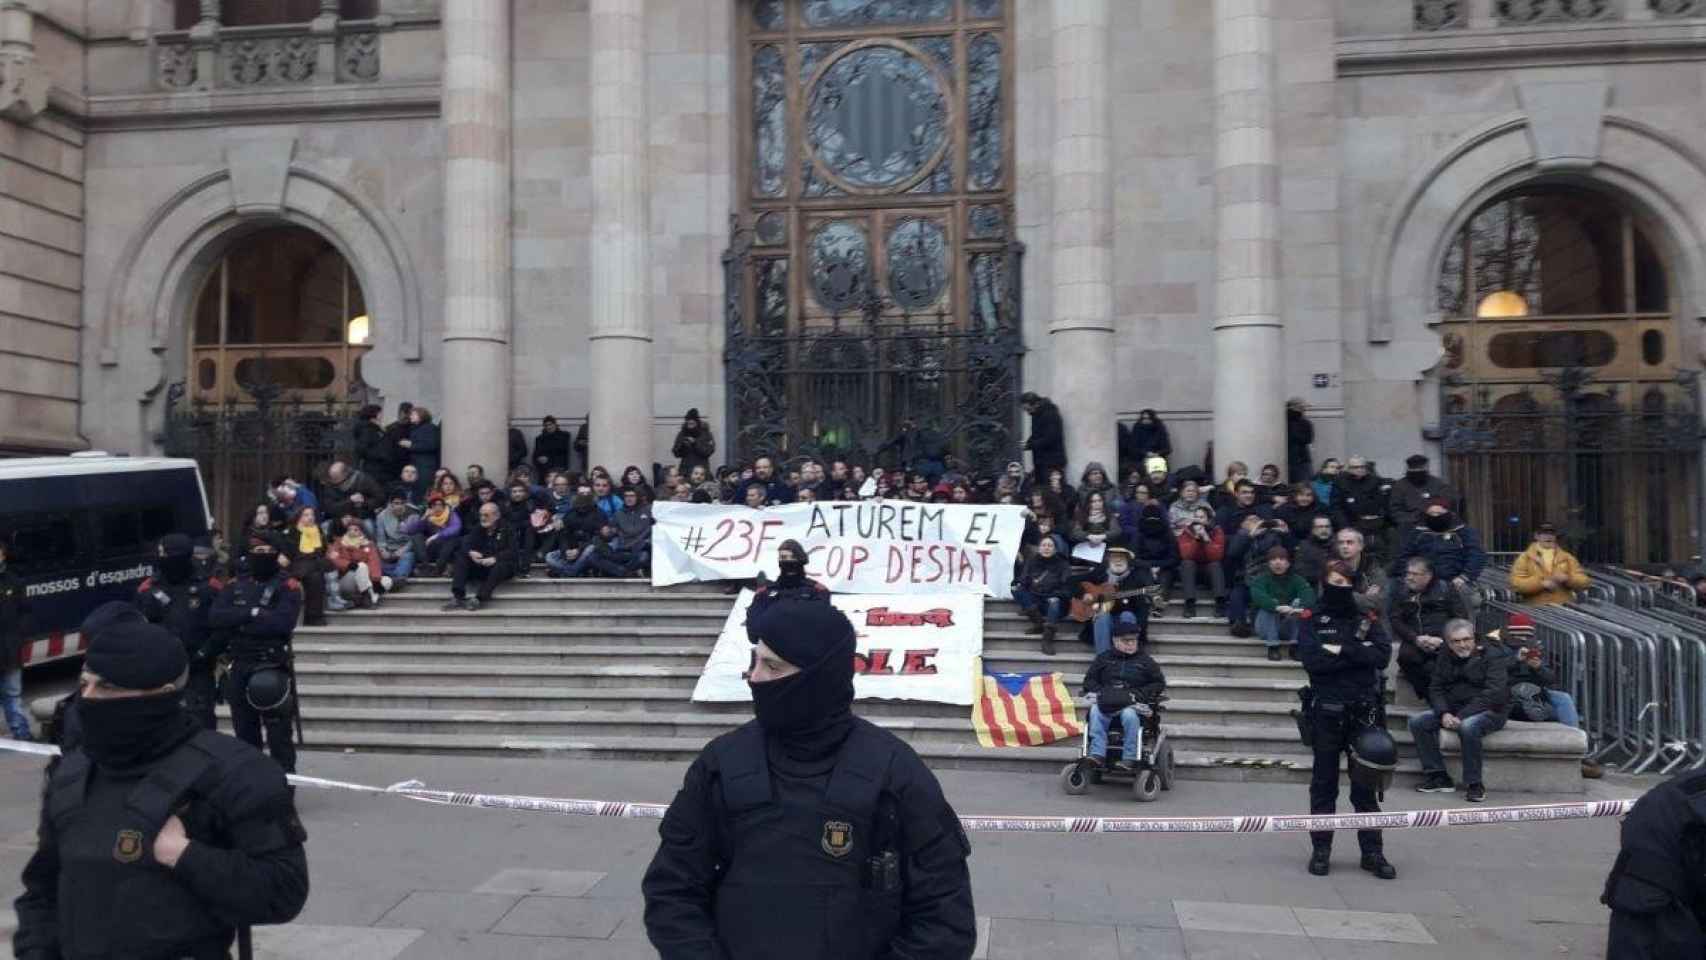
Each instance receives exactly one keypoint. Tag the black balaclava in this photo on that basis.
(793, 572)
(809, 713)
(1439, 523)
(126, 732)
(261, 566)
(1152, 522)
(1338, 601)
(177, 559)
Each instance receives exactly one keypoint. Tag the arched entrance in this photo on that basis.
(1565, 395)
(276, 337)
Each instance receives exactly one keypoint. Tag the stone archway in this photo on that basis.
(138, 334)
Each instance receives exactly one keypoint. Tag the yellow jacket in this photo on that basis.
(1530, 569)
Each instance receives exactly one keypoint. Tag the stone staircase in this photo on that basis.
(606, 668)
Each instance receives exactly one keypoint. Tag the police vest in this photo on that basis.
(186, 614)
(808, 875)
(115, 901)
(1656, 890)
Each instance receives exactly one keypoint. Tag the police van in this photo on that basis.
(81, 530)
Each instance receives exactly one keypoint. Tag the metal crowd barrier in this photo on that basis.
(1631, 651)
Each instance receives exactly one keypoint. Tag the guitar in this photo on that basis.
(1100, 598)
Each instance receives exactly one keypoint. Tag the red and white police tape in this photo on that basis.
(1405, 820)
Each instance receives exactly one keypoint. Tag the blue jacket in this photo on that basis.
(423, 449)
(1455, 553)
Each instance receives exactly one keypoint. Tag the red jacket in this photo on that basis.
(1198, 551)
(344, 556)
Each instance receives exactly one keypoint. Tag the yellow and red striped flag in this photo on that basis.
(1023, 710)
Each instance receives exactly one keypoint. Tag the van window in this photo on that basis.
(41, 543)
(119, 532)
(157, 521)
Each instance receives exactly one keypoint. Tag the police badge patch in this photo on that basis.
(837, 838)
(128, 848)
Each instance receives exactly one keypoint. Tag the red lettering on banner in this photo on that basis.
(884, 617)
(725, 527)
(984, 556)
(875, 662)
(917, 663)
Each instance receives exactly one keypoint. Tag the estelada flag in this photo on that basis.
(1023, 710)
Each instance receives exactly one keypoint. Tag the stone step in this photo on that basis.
(497, 617)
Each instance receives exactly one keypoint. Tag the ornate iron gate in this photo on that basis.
(843, 386)
(241, 447)
(1615, 465)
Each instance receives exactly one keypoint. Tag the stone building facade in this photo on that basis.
(1220, 204)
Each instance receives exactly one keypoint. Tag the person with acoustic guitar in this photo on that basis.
(1116, 590)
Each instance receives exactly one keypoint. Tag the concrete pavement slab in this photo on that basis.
(541, 883)
(1151, 943)
(1024, 939)
(438, 910)
(463, 945)
(331, 903)
(1362, 925)
(304, 941)
(562, 917)
(1237, 918)
(1399, 896)
(1217, 945)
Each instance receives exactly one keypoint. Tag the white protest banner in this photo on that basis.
(874, 546)
(910, 648)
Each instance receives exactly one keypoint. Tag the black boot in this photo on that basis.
(1036, 626)
(1048, 640)
(1321, 861)
(1190, 609)
(1376, 864)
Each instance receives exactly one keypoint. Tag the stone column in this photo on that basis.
(1081, 333)
(1249, 342)
(620, 428)
(476, 118)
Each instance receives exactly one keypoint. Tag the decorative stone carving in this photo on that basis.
(358, 57)
(23, 89)
(174, 65)
(1678, 8)
(1439, 14)
(268, 60)
(1524, 12)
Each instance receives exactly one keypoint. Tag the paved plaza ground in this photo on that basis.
(401, 879)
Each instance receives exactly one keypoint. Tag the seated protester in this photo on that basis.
(1096, 524)
(1450, 547)
(605, 495)
(1280, 598)
(1153, 547)
(1133, 479)
(1536, 694)
(602, 555)
(349, 490)
(1121, 677)
(1269, 485)
(1042, 588)
(1315, 549)
(917, 488)
(305, 546)
(434, 534)
(562, 495)
(1470, 694)
(447, 486)
(412, 481)
(755, 496)
(1057, 487)
(486, 556)
(518, 514)
(1182, 512)
(1419, 611)
(634, 477)
(1231, 517)
(1240, 555)
(1370, 572)
(1547, 573)
(356, 567)
(396, 546)
(1299, 512)
(961, 494)
(1095, 479)
(1119, 571)
(1226, 492)
(633, 525)
(484, 492)
(1160, 481)
(1202, 552)
(1040, 502)
(574, 532)
(1323, 481)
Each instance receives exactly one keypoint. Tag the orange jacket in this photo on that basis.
(1529, 570)
(343, 557)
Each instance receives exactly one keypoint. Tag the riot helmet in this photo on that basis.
(268, 690)
(1374, 757)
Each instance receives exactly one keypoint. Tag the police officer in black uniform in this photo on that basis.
(809, 832)
(791, 583)
(158, 839)
(1657, 887)
(256, 616)
(179, 598)
(1344, 652)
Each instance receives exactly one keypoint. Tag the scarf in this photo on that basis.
(310, 541)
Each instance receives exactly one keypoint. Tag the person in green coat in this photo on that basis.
(1281, 598)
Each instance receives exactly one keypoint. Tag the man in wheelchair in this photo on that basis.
(1121, 679)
